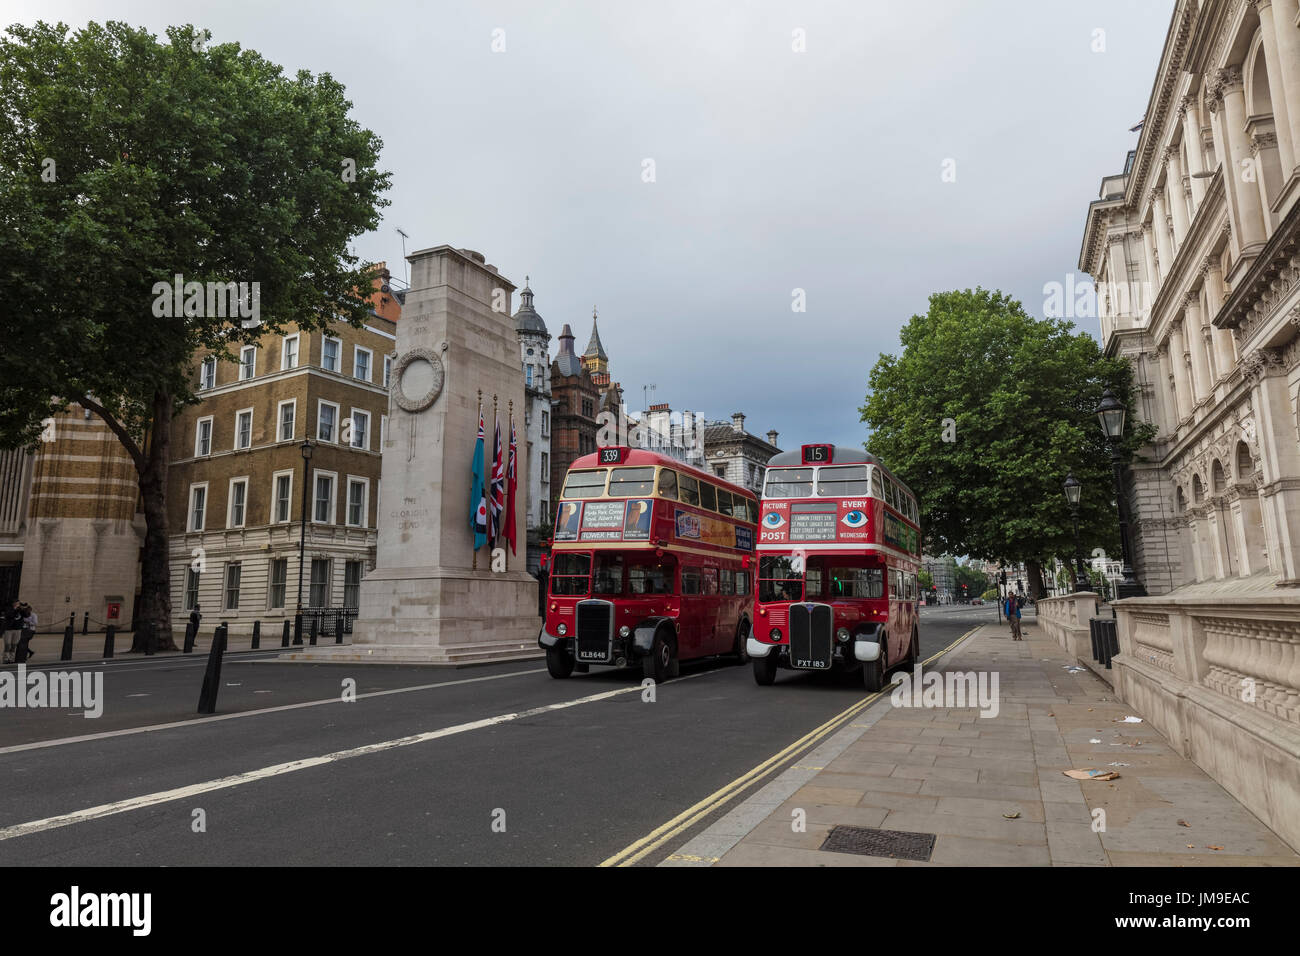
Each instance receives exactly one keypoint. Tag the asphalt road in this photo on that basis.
(489, 765)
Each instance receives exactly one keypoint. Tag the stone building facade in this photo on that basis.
(70, 524)
(1195, 248)
(740, 457)
(534, 353)
(237, 476)
(575, 403)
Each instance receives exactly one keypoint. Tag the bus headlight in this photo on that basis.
(624, 631)
(774, 634)
(842, 635)
(561, 630)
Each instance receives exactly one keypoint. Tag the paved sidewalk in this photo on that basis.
(90, 647)
(991, 789)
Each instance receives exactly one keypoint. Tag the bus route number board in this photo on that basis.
(813, 522)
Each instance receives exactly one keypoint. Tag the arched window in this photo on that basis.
(1198, 492)
(1180, 500)
(1245, 463)
(1218, 481)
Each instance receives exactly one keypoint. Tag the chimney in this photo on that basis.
(771, 438)
(738, 421)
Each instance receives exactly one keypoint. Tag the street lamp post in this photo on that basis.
(1110, 414)
(1073, 489)
(307, 447)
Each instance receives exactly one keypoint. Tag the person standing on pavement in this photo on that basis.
(13, 631)
(30, 621)
(1012, 610)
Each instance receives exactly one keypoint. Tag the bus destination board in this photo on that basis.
(813, 522)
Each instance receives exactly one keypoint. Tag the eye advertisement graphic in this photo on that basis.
(785, 521)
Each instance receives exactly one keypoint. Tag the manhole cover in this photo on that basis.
(867, 841)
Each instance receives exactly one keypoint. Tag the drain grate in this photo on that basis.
(867, 841)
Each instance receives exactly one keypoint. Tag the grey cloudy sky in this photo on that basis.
(775, 170)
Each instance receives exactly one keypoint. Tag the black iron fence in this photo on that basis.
(329, 620)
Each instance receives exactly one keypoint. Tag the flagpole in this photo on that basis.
(509, 499)
(492, 473)
(474, 563)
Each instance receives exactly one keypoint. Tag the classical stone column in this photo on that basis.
(1160, 223)
(1279, 460)
(1221, 538)
(1190, 114)
(1252, 229)
(1225, 350)
(1268, 172)
(1166, 390)
(1281, 40)
(1201, 381)
(1174, 187)
(1153, 275)
(1178, 358)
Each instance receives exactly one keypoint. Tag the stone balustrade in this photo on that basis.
(1065, 620)
(1218, 673)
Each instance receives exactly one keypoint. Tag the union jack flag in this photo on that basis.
(496, 499)
(510, 488)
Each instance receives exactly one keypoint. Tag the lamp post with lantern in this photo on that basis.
(1110, 414)
(1073, 490)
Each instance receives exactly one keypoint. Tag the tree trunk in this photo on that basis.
(155, 571)
(1035, 572)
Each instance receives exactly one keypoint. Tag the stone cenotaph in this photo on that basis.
(431, 597)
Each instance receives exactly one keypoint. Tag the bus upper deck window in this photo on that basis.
(724, 502)
(585, 484)
(877, 490)
(689, 490)
(708, 496)
(632, 482)
(789, 483)
(667, 483)
(842, 481)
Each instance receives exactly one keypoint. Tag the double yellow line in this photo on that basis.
(692, 815)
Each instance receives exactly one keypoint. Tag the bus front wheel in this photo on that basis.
(661, 662)
(765, 669)
(738, 649)
(873, 672)
(558, 664)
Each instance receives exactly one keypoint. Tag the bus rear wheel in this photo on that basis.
(765, 669)
(558, 664)
(873, 672)
(661, 662)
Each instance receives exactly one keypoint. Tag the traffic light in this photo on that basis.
(1004, 578)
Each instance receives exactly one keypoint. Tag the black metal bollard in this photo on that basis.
(338, 629)
(284, 638)
(191, 632)
(297, 630)
(257, 635)
(1092, 637)
(315, 629)
(85, 622)
(110, 634)
(67, 642)
(212, 675)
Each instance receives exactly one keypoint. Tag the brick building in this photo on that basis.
(575, 401)
(238, 472)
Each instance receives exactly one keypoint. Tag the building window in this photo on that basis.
(358, 493)
(238, 502)
(233, 571)
(283, 496)
(279, 577)
(198, 505)
(388, 370)
(289, 353)
(361, 361)
(323, 513)
(320, 582)
(327, 414)
(545, 466)
(244, 428)
(191, 588)
(528, 375)
(352, 584)
(360, 429)
(546, 424)
(208, 373)
(247, 362)
(329, 354)
(203, 438)
(383, 431)
(288, 412)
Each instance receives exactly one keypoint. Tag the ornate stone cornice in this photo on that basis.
(1262, 363)
(1262, 141)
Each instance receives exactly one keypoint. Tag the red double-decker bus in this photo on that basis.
(651, 562)
(838, 553)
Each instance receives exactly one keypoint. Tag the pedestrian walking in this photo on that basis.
(30, 620)
(13, 631)
(1011, 607)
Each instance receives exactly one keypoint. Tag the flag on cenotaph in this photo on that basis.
(477, 498)
(496, 498)
(511, 482)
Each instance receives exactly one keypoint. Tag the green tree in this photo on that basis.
(126, 161)
(925, 580)
(977, 582)
(984, 413)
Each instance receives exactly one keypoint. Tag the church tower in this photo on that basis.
(534, 352)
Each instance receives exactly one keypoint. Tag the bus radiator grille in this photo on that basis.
(811, 639)
(594, 631)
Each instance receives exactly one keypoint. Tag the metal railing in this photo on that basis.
(1104, 634)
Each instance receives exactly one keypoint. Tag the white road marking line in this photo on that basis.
(250, 776)
(60, 741)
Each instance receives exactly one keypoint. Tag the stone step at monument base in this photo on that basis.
(487, 652)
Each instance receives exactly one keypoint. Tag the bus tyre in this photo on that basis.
(914, 649)
(661, 662)
(873, 672)
(738, 649)
(765, 669)
(558, 664)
